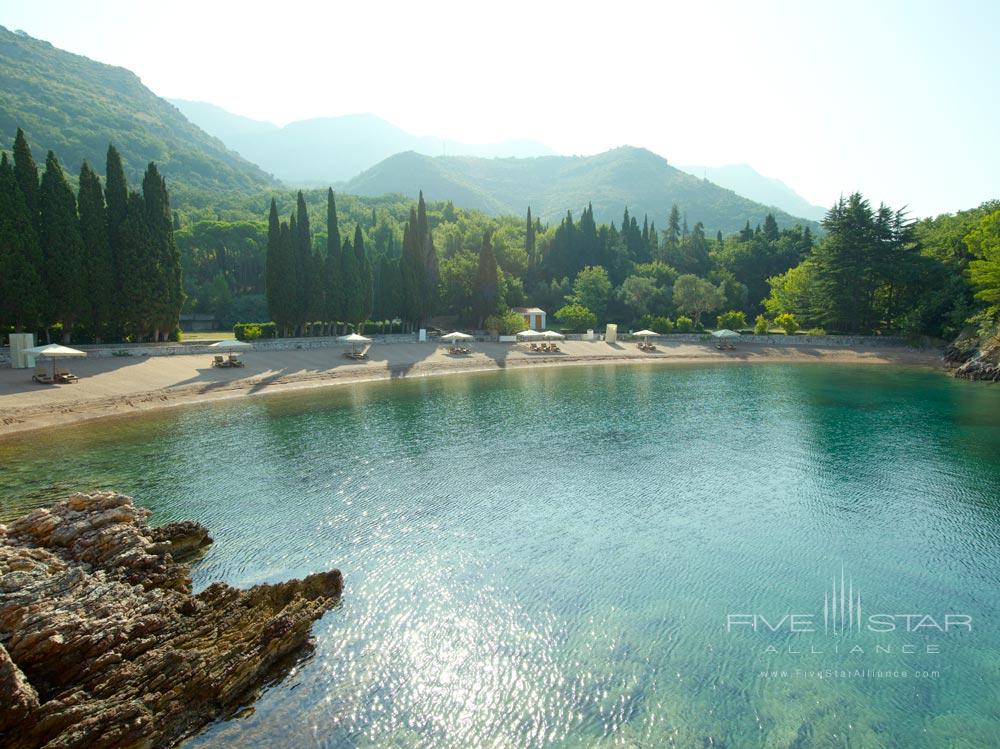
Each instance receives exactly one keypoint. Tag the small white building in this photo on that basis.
(533, 316)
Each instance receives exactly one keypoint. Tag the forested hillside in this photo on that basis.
(624, 177)
(76, 106)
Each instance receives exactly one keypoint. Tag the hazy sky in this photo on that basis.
(900, 100)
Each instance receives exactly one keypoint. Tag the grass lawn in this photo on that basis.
(207, 335)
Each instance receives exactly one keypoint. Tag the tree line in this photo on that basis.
(100, 264)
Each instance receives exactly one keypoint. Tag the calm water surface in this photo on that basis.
(549, 558)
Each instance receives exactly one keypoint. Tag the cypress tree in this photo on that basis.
(116, 199)
(26, 173)
(302, 240)
(285, 315)
(332, 281)
(138, 276)
(529, 239)
(351, 283)
(22, 292)
(412, 273)
(272, 265)
(429, 287)
(97, 258)
(486, 289)
(364, 277)
(673, 234)
(163, 264)
(62, 249)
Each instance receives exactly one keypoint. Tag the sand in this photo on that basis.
(124, 385)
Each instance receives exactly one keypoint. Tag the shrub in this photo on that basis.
(661, 324)
(261, 330)
(760, 325)
(511, 323)
(733, 320)
(492, 324)
(684, 324)
(576, 317)
(816, 331)
(787, 322)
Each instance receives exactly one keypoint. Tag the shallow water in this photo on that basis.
(549, 557)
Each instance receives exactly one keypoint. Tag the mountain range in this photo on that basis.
(622, 177)
(75, 107)
(746, 181)
(332, 149)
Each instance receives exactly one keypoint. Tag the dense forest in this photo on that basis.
(98, 265)
(105, 263)
(870, 271)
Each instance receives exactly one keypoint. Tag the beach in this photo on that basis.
(118, 386)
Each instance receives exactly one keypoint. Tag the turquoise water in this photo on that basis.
(551, 557)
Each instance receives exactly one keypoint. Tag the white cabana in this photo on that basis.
(53, 351)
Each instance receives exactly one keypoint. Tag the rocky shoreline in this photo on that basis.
(102, 643)
(969, 359)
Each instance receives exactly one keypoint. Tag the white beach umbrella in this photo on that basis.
(551, 335)
(645, 333)
(54, 351)
(456, 336)
(354, 339)
(726, 333)
(232, 344)
(530, 335)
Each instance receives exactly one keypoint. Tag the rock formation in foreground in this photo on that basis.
(102, 643)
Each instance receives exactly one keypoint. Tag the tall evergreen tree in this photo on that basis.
(62, 249)
(97, 259)
(22, 292)
(332, 280)
(164, 263)
(673, 233)
(364, 278)
(770, 228)
(486, 289)
(273, 278)
(303, 265)
(138, 271)
(26, 173)
(429, 288)
(529, 240)
(412, 273)
(116, 194)
(351, 283)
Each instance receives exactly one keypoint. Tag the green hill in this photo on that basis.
(551, 185)
(76, 106)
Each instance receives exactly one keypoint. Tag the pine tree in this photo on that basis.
(22, 292)
(486, 289)
(770, 228)
(163, 264)
(26, 173)
(332, 280)
(673, 233)
(428, 256)
(97, 259)
(62, 249)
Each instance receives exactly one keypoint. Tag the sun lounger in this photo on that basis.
(65, 376)
(219, 361)
(42, 377)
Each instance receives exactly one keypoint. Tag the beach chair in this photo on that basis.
(218, 361)
(42, 377)
(363, 353)
(234, 361)
(65, 376)
(532, 346)
(553, 347)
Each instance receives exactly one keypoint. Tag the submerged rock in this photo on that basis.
(102, 643)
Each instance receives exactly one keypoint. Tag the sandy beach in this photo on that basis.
(125, 385)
